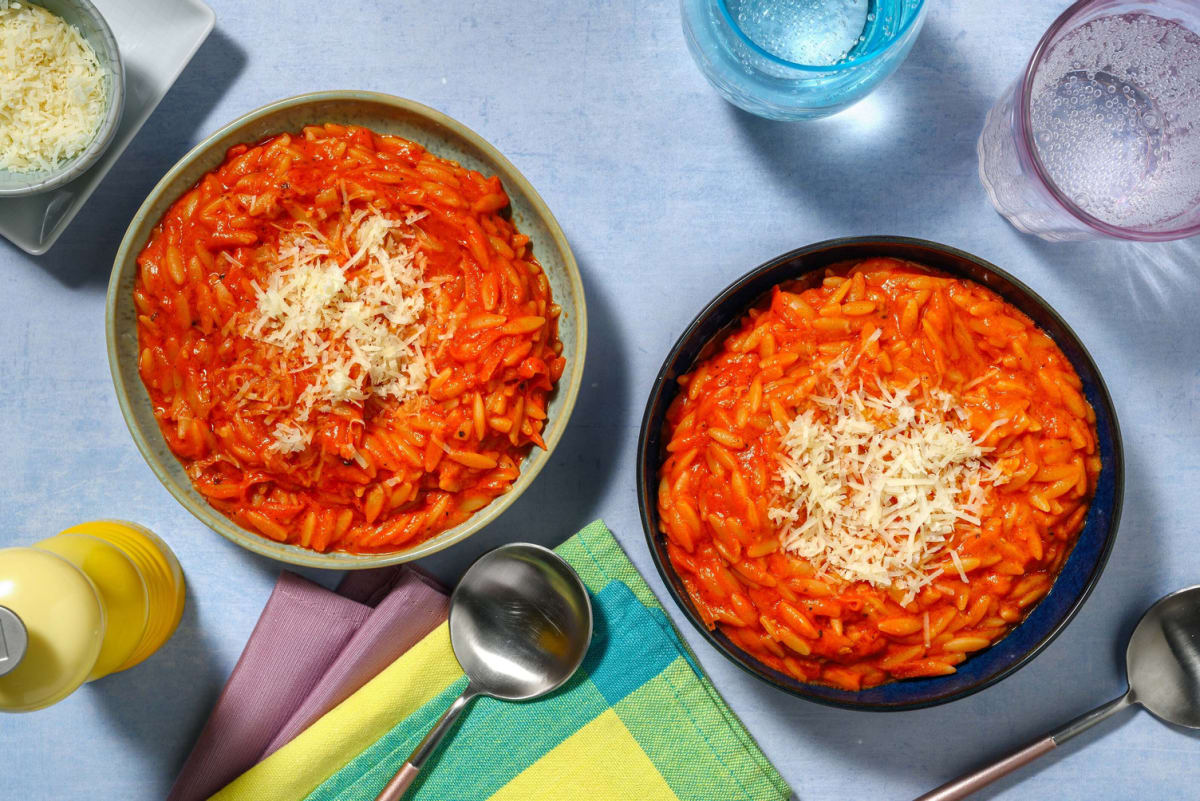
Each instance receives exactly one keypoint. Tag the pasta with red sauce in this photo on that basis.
(346, 341)
(873, 478)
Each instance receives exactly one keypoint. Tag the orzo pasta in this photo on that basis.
(346, 341)
(873, 478)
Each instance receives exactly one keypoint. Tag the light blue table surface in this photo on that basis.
(666, 194)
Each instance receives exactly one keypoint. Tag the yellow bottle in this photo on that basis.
(97, 598)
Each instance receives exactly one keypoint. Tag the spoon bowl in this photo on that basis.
(520, 625)
(520, 622)
(1163, 659)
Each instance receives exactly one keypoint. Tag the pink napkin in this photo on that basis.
(311, 649)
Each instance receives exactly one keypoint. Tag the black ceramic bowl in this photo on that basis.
(1079, 575)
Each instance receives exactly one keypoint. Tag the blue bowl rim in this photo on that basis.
(820, 255)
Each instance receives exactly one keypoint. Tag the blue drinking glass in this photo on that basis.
(799, 59)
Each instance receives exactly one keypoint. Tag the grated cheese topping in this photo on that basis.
(872, 485)
(52, 89)
(350, 326)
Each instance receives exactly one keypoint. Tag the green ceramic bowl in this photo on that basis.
(385, 114)
(88, 21)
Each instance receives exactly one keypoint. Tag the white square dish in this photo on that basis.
(157, 39)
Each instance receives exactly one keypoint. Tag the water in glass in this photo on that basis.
(1100, 136)
(1115, 115)
(798, 59)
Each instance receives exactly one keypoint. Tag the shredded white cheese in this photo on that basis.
(351, 327)
(872, 485)
(52, 89)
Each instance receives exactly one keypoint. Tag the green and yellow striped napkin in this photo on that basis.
(639, 722)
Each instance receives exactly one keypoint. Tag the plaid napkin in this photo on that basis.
(310, 650)
(639, 722)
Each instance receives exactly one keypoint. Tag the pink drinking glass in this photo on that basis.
(1153, 126)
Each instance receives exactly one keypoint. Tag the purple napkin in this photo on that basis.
(311, 649)
(412, 609)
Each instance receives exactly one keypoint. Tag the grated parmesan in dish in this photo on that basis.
(872, 485)
(352, 328)
(52, 89)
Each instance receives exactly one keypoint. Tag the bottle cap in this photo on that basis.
(13, 639)
(60, 612)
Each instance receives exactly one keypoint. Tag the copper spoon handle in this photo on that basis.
(963, 786)
(395, 789)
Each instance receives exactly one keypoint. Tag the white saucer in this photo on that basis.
(157, 39)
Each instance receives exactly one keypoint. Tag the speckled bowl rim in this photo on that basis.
(113, 111)
(1075, 581)
(567, 391)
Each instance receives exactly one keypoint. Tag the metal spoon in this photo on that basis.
(1163, 666)
(520, 624)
